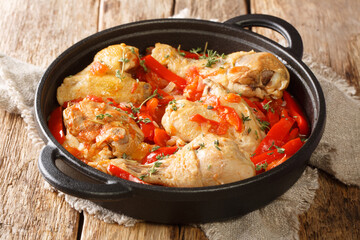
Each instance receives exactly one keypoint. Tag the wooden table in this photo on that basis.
(38, 31)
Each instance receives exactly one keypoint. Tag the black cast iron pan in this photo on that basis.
(180, 205)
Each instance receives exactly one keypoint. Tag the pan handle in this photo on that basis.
(292, 36)
(109, 190)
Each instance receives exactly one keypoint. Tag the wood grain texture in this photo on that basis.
(97, 229)
(35, 32)
(27, 210)
(220, 10)
(331, 35)
(38, 31)
(335, 213)
(116, 12)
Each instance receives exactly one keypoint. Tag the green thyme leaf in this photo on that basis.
(249, 130)
(144, 120)
(155, 93)
(102, 116)
(245, 118)
(280, 150)
(197, 50)
(216, 143)
(264, 125)
(259, 167)
(142, 63)
(124, 60)
(179, 51)
(154, 148)
(172, 103)
(201, 145)
(272, 145)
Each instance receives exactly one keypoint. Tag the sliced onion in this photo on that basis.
(169, 87)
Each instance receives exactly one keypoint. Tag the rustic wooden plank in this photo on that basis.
(331, 34)
(27, 210)
(220, 10)
(97, 229)
(38, 31)
(35, 32)
(114, 12)
(335, 213)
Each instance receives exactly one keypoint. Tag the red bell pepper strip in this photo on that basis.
(118, 172)
(151, 106)
(154, 156)
(296, 112)
(98, 68)
(56, 126)
(232, 97)
(95, 98)
(215, 127)
(288, 149)
(211, 100)
(276, 135)
(195, 86)
(284, 113)
(256, 110)
(276, 163)
(134, 87)
(147, 128)
(229, 115)
(272, 117)
(160, 137)
(163, 72)
(294, 133)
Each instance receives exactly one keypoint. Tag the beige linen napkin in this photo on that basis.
(279, 220)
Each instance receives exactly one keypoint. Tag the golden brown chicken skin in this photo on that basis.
(101, 131)
(115, 81)
(177, 123)
(251, 74)
(208, 160)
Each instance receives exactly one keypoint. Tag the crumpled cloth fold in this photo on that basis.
(336, 154)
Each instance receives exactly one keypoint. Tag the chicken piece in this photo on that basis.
(207, 161)
(214, 88)
(251, 74)
(116, 83)
(170, 57)
(102, 131)
(119, 57)
(108, 86)
(177, 123)
(257, 75)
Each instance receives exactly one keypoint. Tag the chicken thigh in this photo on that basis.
(177, 123)
(206, 161)
(251, 74)
(115, 82)
(99, 130)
